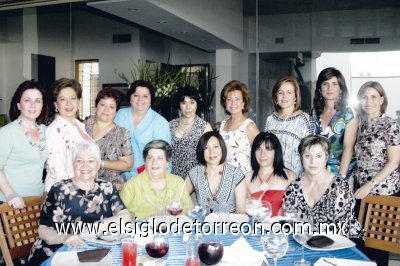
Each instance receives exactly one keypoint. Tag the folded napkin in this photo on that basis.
(233, 218)
(241, 253)
(147, 261)
(343, 262)
(70, 258)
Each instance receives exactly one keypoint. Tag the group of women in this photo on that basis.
(132, 161)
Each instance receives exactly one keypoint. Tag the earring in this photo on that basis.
(56, 110)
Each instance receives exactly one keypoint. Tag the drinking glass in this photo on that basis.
(263, 211)
(192, 255)
(301, 236)
(210, 253)
(157, 247)
(275, 246)
(129, 251)
(175, 207)
(198, 212)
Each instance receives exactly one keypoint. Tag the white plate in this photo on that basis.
(339, 242)
(104, 240)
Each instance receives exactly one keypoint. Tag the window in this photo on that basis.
(87, 74)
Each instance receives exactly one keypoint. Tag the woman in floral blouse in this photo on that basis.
(81, 199)
(377, 146)
(318, 195)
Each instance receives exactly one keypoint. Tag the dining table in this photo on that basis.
(176, 254)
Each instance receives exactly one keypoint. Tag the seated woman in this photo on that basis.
(114, 141)
(269, 178)
(80, 199)
(318, 195)
(154, 187)
(215, 181)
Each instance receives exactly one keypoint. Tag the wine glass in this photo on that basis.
(175, 207)
(275, 246)
(210, 253)
(263, 211)
(198, 212)
(157, 247)
(301, 237)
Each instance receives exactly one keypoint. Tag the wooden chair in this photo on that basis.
(19, 228)
(380, 216)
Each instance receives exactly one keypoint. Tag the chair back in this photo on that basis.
(380, 216)
(19, 228)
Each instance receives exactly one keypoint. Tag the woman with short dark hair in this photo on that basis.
(186, 131)
(114, 141)
(23, 149)
(143, 123)
(213, 180)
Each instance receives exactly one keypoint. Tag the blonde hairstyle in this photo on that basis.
(278, 84)
(235, 85)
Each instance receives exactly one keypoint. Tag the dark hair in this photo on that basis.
(63, 83)
(279, 83)
(326, 74)
(312, 140)
(108, 93)
(203, 141)
(271, 139)
(235, 85)
(27, 85)
(141, 83)
(187, 91)
(160, 145)
(378, 87)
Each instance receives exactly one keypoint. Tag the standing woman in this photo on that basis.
(289, 123)
(186, 132)
(144, 123)
(114, 141)
(23, 145)
(64, 132)
(377, 146)
(237, 131)
(332, 118)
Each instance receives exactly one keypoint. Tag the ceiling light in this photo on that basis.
(133, 9)
(161, 22)
(184, 32)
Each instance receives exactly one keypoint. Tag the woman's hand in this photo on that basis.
(364, 190)
(74, 241)
(15, 201)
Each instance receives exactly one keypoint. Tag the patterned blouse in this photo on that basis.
(335, 206)
(335, 133)
(231, 177)
(66, 203)
(184, 149)
(61, 138)
(371, 150)
(238, 146)
(290, 131)
(116, 143)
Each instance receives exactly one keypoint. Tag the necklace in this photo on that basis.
(184, 128)
(264, 184)
(41, 146)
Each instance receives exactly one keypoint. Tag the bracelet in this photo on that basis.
(11, 196)
(374, 182)
(102, 164)
(343, 175)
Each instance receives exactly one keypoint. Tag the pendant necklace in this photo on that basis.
(264, 184)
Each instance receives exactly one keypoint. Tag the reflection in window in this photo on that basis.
(87, 74)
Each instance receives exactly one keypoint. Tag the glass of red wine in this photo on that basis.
(210, 253)
(157, 247)
(175, 207)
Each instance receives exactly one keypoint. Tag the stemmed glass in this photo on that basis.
(157, 247)
(210, 253)
(198, 212)
(263, 211)
(275, 246)
(302, 237)
(175, 207)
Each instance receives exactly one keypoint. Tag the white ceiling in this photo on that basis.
(144, 13)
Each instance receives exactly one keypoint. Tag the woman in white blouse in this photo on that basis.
(64, 132)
